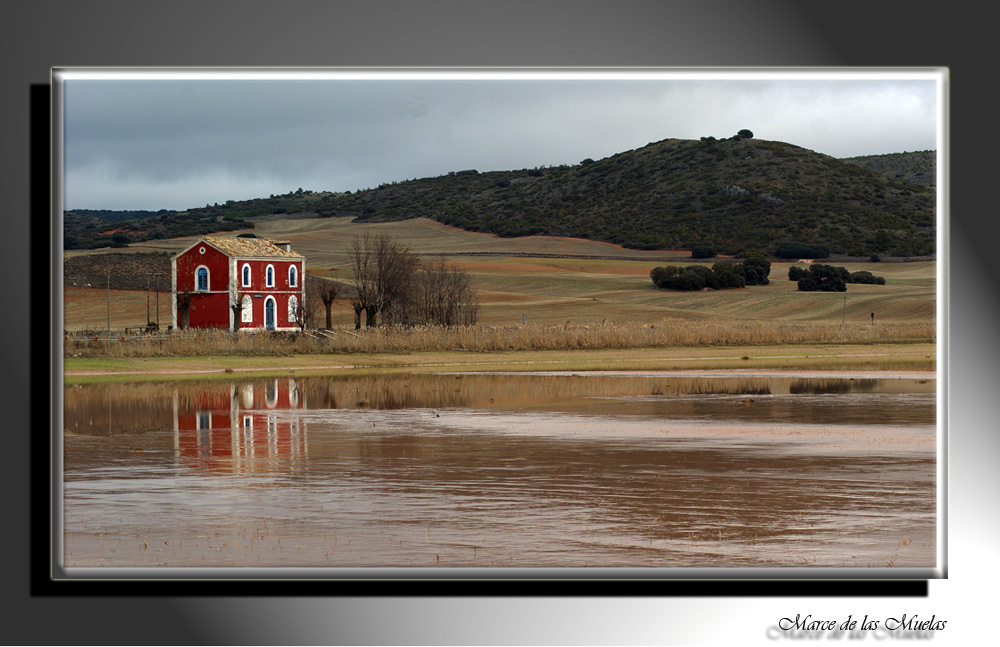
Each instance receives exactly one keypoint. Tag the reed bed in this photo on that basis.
(486, 338)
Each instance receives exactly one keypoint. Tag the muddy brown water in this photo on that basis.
(554, 470)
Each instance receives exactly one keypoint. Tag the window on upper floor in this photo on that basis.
(269, 276)
(246, 275)
(202, 278)
(292, 276)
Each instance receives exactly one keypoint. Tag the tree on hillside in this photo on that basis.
(796, 273)
(864, 276)
(703, 251)
(756, 269)
(823, 278)
(721, 276)
(802, 250)
(726, 276)
(745, 134)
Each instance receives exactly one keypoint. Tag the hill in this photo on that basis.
(917, 168)
(734, 194)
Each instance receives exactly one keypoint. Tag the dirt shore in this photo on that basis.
(847, 357)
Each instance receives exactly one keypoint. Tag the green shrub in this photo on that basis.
(721, 276)
(824, 278)
(866, 277)
(756, 270)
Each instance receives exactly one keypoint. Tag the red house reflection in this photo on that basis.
(242, 426)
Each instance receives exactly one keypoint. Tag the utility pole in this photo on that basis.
(843, 316)
(83, 293)
(147, 299)
(109, 304)
(157, 275)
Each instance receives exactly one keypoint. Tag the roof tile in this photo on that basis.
(250, 247)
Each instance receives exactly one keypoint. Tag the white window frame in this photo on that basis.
(208, 279)
(269, 276)
(274, 309)
(246, 275)
(246, 309)
(293, 276)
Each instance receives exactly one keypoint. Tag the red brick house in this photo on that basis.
(265, 279)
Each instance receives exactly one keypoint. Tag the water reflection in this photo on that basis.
(101, 409)
(237, 427)
(502, 470)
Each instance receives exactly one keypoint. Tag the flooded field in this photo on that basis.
(715, 469)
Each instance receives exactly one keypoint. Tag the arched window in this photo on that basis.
(269, 277)
(246, 311)
(270, 313)
(293, 309)
(291, 276)
(246, 275)
(202, 278)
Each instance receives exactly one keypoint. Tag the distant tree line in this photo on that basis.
(802, 250)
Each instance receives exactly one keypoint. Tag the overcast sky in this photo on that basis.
(174, 143)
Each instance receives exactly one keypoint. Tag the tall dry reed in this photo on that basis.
(485, 338)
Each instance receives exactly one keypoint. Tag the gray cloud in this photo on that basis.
(151, 144)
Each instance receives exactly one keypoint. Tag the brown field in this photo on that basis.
(610, 286)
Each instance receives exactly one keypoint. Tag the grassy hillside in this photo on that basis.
(95, 228)
(917, 168)
(734, 194)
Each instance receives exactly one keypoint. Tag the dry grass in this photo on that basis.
(487, 338)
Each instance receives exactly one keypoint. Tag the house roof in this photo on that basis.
(250, 247)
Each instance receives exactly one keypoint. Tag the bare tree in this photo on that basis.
(390, 283)
(362, 261)
(384, 280)
(236, 305)
(447, 297)
(183, 309)
(320, 291)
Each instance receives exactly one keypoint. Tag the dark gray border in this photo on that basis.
(61, 75)
(50, 33)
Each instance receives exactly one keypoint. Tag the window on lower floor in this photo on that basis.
(246, 310)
